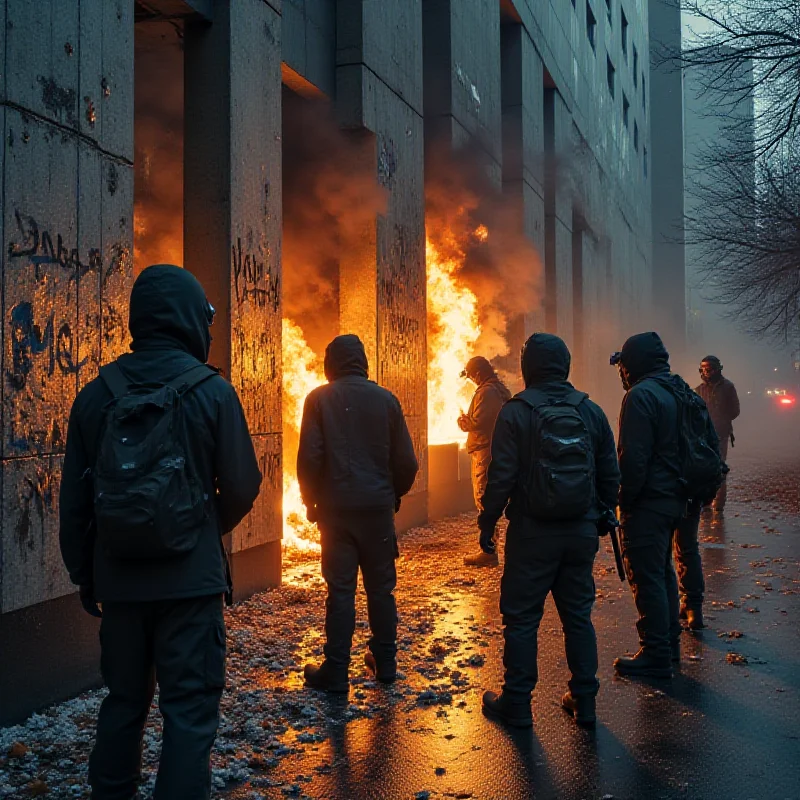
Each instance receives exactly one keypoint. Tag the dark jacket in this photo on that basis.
(355, 449)
(170, 330)
(486, 403)
(649, 445)
(545, 368)
(723, 405)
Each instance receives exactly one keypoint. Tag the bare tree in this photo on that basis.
(747, 49)
(745, 224)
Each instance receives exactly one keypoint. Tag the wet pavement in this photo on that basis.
(727, 726)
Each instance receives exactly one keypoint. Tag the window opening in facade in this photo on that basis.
(635, 67)
(635, 136)
(610, 75)
(624, 33)
(626, 106)
(591, 25)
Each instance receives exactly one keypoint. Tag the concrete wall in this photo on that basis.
(669, 263)
(67, 229)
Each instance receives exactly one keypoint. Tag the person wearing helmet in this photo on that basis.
(723, 405)
(478, 423)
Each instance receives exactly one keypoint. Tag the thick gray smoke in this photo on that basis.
(466, 212)
(331, 196)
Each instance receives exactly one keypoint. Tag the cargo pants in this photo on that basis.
(535, 567)
(353, 540)
(180, 645)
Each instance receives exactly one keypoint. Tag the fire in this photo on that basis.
(453, 330)
(302, 373)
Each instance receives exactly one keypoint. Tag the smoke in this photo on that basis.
(331, 198)
(158, 145)
(471, 221)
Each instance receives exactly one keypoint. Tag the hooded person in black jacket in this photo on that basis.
(652, 501)
(543, 556)
(162, 620)
(354, 463)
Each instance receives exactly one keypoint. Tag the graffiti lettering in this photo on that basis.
(28, 340)
(39, 248)
(253, 282)
(270, 464)
(36, 497)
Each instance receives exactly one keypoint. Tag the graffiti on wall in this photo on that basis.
(43, 336)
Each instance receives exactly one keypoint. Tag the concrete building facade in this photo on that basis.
(555, 93)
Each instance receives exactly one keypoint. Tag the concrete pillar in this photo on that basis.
(666, 180)
(461, 40)
(66, 228)
(232, 239)
(523, 148)
(379, 89)
(558, 217)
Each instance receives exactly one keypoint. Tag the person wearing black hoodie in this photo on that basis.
(354, 463)
(478, 424)
(652, 501)
(545, 556)
(162, 620)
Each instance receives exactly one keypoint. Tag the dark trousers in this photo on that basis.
(560, 564)
(647, 550)
(179, 644)
(722, 494)
(691, 584)
(365, 540)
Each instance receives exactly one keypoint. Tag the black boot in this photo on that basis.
(385, 672)
(581, 708)
(516, 713)
(644, 665)
(326, 678)
(694, 619)
(676, 652)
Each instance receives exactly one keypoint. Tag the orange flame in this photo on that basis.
(302, 372)
(453, 330)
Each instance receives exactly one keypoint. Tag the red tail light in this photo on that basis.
(786, 401)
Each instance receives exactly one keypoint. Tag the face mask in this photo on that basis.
(616, 361)
(710, 375)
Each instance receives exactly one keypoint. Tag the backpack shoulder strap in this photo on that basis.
(575, 398)
(114, 378)
(192, 377)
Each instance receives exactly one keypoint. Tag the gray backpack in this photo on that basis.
(148, 504)
(560, 484)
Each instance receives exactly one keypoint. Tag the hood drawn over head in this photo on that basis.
(345, 355)
(479, 370)
(545, 359)
(169, 310)
(644, 353)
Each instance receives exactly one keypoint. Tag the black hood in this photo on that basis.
(480, 370)
(169, 311)
(644, 354)
(545, 359)
(345, 355)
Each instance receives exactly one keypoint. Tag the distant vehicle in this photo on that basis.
(784, 399)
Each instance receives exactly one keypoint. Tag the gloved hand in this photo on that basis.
(88, 602)
(312, 514)
(462, 422)
(607, 523)
(487, 541)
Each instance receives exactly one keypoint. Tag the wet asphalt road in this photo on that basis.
(718, 730)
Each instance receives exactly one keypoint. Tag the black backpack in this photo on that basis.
(702, 469)
(560, 484)
(148, 504)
